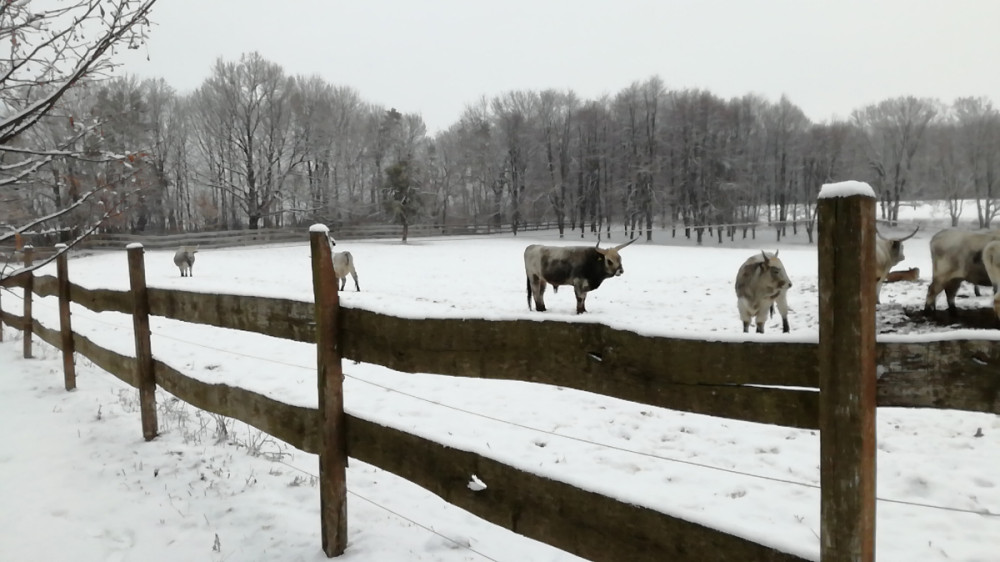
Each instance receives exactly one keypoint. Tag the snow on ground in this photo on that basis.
(753, 480)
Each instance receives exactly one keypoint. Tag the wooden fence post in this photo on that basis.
(144, 378)
(65, 328)
(29, 287)
(333, 434)
(847, 371)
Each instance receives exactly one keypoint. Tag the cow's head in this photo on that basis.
(612, 260)
(894, 246)
(774, 271)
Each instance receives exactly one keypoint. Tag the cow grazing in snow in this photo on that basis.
(184, 260)
(583, 267)
(888, 252)
(760, 283)
(343, 264)
(956, 256)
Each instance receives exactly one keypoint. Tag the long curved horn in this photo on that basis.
(620, 246)
(912, 234)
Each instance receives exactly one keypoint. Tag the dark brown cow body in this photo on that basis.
(583, 267)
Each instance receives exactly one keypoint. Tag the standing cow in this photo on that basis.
(184, 260)
(343, 264)
(760, 283)
(956, 256)
(991, 261)
(888, 252)
(583, 267)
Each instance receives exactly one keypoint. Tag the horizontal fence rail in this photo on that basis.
(767, 382)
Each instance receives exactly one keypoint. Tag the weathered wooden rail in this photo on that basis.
(770, 382)
(740, 380)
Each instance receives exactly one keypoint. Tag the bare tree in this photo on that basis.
(894, 129)
(513, 113)
(45, 53)
(979, 133)
(556, 112)
(246, 116)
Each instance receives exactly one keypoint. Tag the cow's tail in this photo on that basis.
(528, 282)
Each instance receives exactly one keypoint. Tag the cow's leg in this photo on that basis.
(581, 297)
(536, 286)
(745, 315)
(354, 276)
(878, 291)
(761, 317)
(343, 282)
(932, 292)
(782, 302)
(950, 290)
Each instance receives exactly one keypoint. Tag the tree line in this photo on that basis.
(254, 147)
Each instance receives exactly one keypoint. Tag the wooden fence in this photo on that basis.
(43, 243)
(768, 382)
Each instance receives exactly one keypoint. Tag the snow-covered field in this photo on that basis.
(78, 459)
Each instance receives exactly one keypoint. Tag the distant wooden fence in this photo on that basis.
(767, 382)
(44, 246)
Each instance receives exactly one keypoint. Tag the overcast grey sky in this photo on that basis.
(434, 57)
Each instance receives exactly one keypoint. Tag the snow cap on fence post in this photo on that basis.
(320, 227)
(133, 245)
(845, 189)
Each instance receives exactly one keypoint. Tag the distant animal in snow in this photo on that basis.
(343, 264)
(184, 260)
(888, 252)
(956, 256)
(760, 283)
(583, 267)
(898, 275)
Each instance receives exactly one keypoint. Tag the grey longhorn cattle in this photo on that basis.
(760, 283)
(583, 267)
